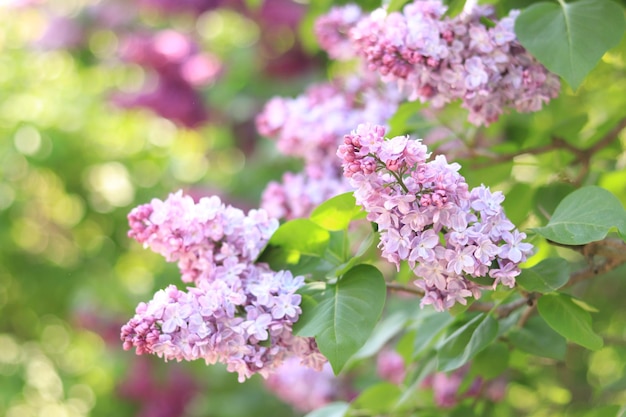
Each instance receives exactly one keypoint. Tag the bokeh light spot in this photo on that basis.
(7, 196)
(9, 349)
(110, 183)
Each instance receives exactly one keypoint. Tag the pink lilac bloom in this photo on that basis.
(303, 388)
(179, 69)
(390, 366)
(438, 59)
(332, 30)
(275, 18)
(428, 216)
(298, 194)
(310, 127)
(446, 387)
(238, 312)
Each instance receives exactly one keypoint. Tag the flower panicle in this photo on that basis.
(430, 218)
(238, 312)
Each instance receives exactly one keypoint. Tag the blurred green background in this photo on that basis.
(72, 165)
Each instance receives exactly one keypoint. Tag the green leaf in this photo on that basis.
(336, 213)
(383, 332)
(307, 305)
(547, 276)
(297, 245)
(396, 5)
(347, 313)
(416, 377)
(407, 119)
(537, 338)
(548, 197)
(604, 411)
(466, 342)
(254, 4)
(491, 361)
(570, 38)
(454, 7)
(584, 216)
(569, 320)
(377, 399)
(429, 328)
(519, 202)
(336, 409)
(302, 236)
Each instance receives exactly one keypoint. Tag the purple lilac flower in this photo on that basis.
(332, 30)
(390, 366)
(438, 59)
(311, 127)
(303, 388)
(239, 312)
(298, 194)
(447, 387)
(178, 67)
(428, 216)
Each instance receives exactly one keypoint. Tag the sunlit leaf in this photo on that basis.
(337, 212)
(302, 236)
(547, 276)
(584, 216)
(570, 38)
(396, 5)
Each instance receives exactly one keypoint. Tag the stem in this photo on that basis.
(612, 250)
(397, 176)
(582, 156)
(395, 286)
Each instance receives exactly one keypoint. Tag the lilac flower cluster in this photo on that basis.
(332, 31)
(428, 216)
(439, 59)
(311, 127)
(303, 388)
(239, 312)
(180, 68)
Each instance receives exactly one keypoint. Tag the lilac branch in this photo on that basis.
(582, 156)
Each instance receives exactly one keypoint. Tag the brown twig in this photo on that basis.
(611, 251)
(582, 156)
(526, 315)
(395, 286)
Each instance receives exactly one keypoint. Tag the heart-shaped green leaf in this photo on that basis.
(584, 216)
(570, 38)
(345, 316)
